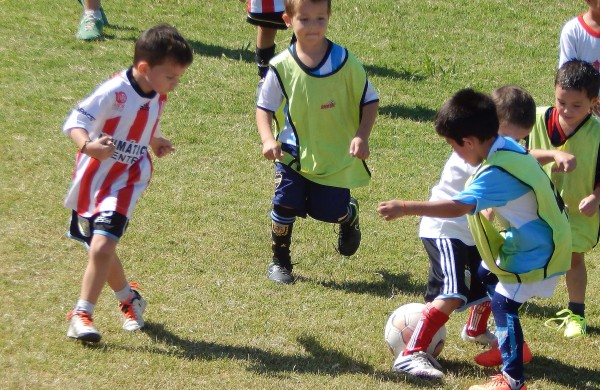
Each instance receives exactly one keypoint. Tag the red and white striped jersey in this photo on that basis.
(120, 109)
(265, 6)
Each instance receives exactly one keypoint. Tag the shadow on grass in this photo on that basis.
(566, 375)
(320, 360)
(418, 113)
(389, 285)
(380, 71)
(208, 50)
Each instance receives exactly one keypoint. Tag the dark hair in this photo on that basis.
(160, 44)
(467, 113)
(292, 5)
(580, 76)
(514, 105)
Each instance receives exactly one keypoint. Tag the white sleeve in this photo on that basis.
(370, 95)
(90, 113)
(270, 95)
(567, 44)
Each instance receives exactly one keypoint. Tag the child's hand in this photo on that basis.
(589, 205)
(359, 148)
(391, 209)
(100, 149)
(272, 150)
(161, 146)
(564, 162)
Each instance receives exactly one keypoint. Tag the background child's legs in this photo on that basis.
(576, 280)
(265, 48)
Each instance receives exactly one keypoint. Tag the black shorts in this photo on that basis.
(106, 223)
(268, 20)
(453, 267)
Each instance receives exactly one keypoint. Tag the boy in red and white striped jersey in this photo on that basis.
(113, 129)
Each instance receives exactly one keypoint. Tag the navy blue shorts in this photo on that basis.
(107, 223)
(323, 203)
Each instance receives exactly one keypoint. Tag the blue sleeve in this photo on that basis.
(492, 188)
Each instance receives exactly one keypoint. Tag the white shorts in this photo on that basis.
(521, 292)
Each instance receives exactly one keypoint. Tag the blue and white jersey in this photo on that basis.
(529, 241)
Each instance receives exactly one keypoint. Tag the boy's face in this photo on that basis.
(573, 105)
(593, 4)
(309, 21)
(161, 78)
(470, 151)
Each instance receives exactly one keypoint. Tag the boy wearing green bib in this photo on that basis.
(570, 127)
(533, 248)
(324, 108)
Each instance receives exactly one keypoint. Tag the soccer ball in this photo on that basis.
(401, 325)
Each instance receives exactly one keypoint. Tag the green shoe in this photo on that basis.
(104, 19)
(90, 28)
(574, 324)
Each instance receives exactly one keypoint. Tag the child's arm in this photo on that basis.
(359, 147)
(271, 148)
(161, 146)
(100, 149)
(589, 205)
(564, 162)
(393, 209)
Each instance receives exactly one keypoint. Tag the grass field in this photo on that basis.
(199, 240)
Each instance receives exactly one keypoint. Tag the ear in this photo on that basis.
(287, 19)
(143, 67)
(469, 142)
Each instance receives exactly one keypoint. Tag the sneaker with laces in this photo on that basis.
(575, 325)
(501, 382)
(81, 327)
(419, 364)
(487, 338)
(104, 19)
(349, 235)
(280, 274)
(90, 28)
(132, 312)
(493, 357)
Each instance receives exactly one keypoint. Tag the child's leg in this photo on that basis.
(265, 48)
(576, 280)
(282, 223)
(349, 235)
(415, 360)
(131, 303)
(288, 202)
(101, 257)
(478, 319)
(434, 316)
(510, 335)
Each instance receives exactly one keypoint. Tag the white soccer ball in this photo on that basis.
(401, 325)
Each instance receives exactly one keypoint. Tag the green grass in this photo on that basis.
(199, 240)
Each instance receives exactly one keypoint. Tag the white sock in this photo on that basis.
(125, 294)
(83, 305)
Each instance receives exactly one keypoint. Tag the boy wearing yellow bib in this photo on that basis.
(570, 127)
(324, 108)
(534, 249)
